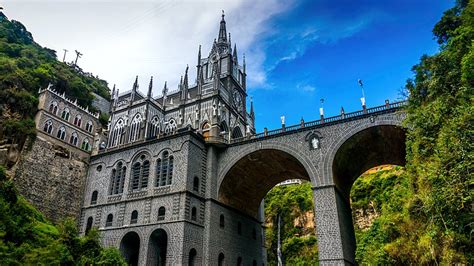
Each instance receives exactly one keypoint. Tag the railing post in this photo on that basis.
(265, 132)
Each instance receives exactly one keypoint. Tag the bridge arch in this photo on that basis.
(252, 172)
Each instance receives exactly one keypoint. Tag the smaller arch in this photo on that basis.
(254, 263)
(196, 184)
(192, 257)
(194, 214)
(73, 139)
(89, 126)
(90, 221)
(237, 133)
(220, 260)
(61, 133)
(85, 144)
(94, 197)
(65, 114)
(53, 107)
(130, 248)
(110, 220)
(222, 221)
(134, 217)
(223, 126)
(78, 120)
(157, 247)
(161, 213)
(239, 261)
(48, 126)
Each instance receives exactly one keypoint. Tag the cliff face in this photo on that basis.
(52, 179)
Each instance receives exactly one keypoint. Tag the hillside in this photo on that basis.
(27, 238)
(420, 214)
(25, 66)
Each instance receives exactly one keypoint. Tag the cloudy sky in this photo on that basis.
(297, 51)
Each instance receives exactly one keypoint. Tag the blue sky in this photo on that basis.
(319, 49)
(297, 51)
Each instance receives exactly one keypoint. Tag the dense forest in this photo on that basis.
(422, 213)
(25, 67)
(27, 238)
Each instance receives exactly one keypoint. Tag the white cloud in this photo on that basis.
(126, 38)
(305, 87)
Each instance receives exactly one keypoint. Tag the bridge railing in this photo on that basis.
(343, 116)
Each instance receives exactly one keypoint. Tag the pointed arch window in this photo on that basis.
(61, 133)
(118, 179)
(164, 170)
(196, 184)
(237, 133)
(94, 197)
(135, 128)
(170, 126)
(65, 114)
(77, 121)
(109, 221)
(154, 127)
(116, 138)
(161, 213)
(134, 217)
(89, 126)
(73, 139)
(86, 145)
(140, 173)
(48, 127)
(53, 107)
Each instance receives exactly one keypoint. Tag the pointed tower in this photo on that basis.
(134, 90)
(199, 78)
(165, 95)
(234, 56)
(222, 30)
(150, 87)
(184, 85)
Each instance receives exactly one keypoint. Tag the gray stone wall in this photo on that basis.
(52, 179)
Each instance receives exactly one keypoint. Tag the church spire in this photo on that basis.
(134, 90)
(235, 54)
(222, 31)
(150, 87)
(252, 114)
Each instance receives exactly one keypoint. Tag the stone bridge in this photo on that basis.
(331, 153)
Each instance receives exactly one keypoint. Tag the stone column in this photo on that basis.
(335, 233)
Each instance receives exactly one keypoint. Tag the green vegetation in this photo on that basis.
(421, 214)
(293, 203)
(27, 238)
(25, 67)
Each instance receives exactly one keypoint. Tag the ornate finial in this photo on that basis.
(223, 14)
(150, 87)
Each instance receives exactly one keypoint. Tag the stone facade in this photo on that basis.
(182, 176)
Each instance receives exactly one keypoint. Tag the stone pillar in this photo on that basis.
(334, 229)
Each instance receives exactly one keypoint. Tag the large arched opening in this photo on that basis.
(368, 148)
(157, 248)
(130, 248)
(249, 180)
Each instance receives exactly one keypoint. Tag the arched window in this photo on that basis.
(89, 126)
(192, 257)
(161, 213)
(220, 260)
(239, 261)
(224, 128)
(94, 197)
(48, 127)
(239, 228)
(222, 221)
(164, 170)
(109, 221)
(61, 133)
(154, 127)
(90, 220)
(170, 126)
(118, 179)
(65, 114)
(194, 214)
(53, 107)
(236, 133)
(77, 121)
(135, 128)
(85, 144)
(73, 139)
(140, 173)
(134, 217)
(116, 138)
(196, 184)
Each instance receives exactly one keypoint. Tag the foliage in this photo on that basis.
(28, 238)
(25, 67)
(298, 243)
